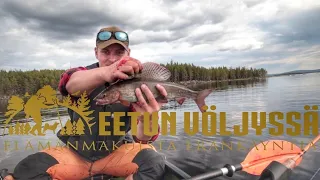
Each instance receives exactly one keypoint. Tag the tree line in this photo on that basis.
(20, 82)
(189, 72)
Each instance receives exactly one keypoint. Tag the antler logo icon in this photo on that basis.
(46, 98)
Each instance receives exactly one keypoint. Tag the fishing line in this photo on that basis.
(315, 174)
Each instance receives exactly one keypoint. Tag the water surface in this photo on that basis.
(284, 94)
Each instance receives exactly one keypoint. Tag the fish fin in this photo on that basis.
(101, 102)
(180, 100)
(161, 99)
(154, 71)
(200, 98)
(124, 102)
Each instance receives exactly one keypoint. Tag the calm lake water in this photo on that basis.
(284, 94)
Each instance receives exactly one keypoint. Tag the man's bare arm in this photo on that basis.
(86, 80)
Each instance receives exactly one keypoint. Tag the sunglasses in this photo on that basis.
(119, 35)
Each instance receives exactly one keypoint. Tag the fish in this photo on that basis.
(123, 91)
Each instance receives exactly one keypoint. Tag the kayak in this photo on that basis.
(172, 172)
(267, 162)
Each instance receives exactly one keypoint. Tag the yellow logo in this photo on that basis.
(46, 98)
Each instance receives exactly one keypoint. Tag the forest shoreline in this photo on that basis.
(19, 82)
(186, 83)
(197, 82)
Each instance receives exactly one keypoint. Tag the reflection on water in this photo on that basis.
(222, 85)
(198, 153)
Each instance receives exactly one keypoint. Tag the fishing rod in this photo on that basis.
(268, 162)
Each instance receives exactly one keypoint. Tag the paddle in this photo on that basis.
(271, 160)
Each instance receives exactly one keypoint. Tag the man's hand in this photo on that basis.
(150, 105)
(121, 69)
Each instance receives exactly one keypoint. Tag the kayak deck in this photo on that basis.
(172, 172)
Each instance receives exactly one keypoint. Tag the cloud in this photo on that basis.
(302, 26)
(279, 35)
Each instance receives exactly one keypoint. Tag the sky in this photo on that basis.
(278, 35)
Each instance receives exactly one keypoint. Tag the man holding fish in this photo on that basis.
(125, 79)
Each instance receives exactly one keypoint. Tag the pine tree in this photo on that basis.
(69, 128)
(11, 130)
(80, 127)
(63, 131)
(22, 128)
(74, 127)
(27, 128)
(17, 128)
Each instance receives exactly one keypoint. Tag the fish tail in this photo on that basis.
(199, 99)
